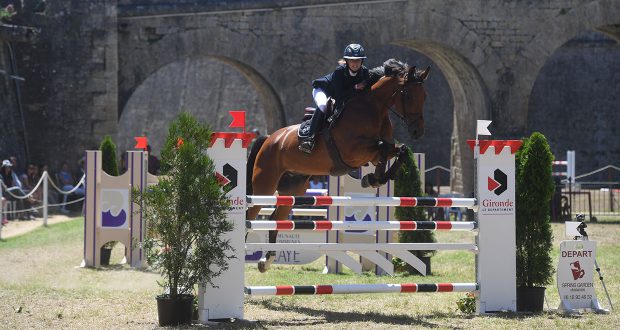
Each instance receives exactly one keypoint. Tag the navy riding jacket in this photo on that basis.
(340, 85)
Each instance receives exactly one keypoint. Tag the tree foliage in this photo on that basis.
(408, 184)
(186, 212)
(109, 163)
(534, 189)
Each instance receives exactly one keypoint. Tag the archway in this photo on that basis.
(470, 102)
(207, 87)
(574, 100)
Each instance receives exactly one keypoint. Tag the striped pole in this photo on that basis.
(359, 201)
(358, 246)
(297, 212)
(288, 290)
(325, 225)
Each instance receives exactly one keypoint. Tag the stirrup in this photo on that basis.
(307, 146)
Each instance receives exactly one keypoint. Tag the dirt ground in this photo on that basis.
(19, 227)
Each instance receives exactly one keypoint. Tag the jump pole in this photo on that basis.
(495, 242)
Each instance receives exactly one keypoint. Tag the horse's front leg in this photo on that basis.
(379, 177)
(401, 153)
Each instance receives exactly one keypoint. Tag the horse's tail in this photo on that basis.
(258, 143)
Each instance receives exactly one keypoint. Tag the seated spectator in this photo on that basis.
(15, 187)
(30, 179)
(52, 194)
(16, 169)
(67, 181)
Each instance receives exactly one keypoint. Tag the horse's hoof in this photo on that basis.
(262, 267)
(265, 263)
(365, 183)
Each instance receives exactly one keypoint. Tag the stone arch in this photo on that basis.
(574, 100)
(470, 99)
(597, 15)
(182, 86)
(196, 44)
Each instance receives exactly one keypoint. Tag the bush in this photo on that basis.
(108, 156)
(534, 189)
(185, 212)
(408, 184)
(110, 166)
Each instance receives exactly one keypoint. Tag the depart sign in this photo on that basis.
(575, 275)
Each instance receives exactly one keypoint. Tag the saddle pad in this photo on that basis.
(304, 129)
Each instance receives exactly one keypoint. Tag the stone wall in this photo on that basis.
(494, 59)
(11, 138)
(69, 94)
(575, 102)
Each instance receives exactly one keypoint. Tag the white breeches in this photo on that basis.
(320, 99)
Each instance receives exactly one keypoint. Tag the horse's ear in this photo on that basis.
(425, 73)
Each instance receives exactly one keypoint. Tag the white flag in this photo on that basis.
(483, 127)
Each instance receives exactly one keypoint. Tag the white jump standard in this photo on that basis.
(495, 287)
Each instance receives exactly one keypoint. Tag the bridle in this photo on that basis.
(403, 94)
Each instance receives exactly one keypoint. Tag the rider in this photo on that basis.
(338, 85)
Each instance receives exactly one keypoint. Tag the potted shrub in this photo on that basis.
(408, 184)
(109, 166)
(534, 189)
(185, 215)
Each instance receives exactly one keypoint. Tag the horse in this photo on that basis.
(362, 134)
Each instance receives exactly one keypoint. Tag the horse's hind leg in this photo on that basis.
(295, 187)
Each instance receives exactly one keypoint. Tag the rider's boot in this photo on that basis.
(317, 120)
(265, 262)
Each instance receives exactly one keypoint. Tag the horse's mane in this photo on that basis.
(390, 68)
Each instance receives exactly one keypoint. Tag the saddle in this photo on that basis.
(324, 132)
(331, 114)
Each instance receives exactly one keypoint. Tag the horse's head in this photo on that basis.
(403, 88)
(410, 103)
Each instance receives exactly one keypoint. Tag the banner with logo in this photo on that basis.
(496, 220)
(575, 274)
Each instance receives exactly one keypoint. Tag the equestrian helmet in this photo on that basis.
(354, 52)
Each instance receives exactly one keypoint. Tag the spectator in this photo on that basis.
(433, 213)
(52, 194)
(16, 170)
(123, 168)
(316, 183)
(30, 180)
(67, 181)
(14, 186)
(153, 162)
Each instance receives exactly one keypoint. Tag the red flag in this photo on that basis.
(141, 142)
(238, 119)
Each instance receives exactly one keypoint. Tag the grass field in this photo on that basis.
(42, 287)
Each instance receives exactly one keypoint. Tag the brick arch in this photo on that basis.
(196, 44)
(470, 96)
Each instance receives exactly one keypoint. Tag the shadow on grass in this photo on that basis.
(320, 316)
(122, 267)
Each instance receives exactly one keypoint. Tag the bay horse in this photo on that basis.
(362, 134)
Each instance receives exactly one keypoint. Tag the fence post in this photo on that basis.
(1, 210)
(45, 178)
